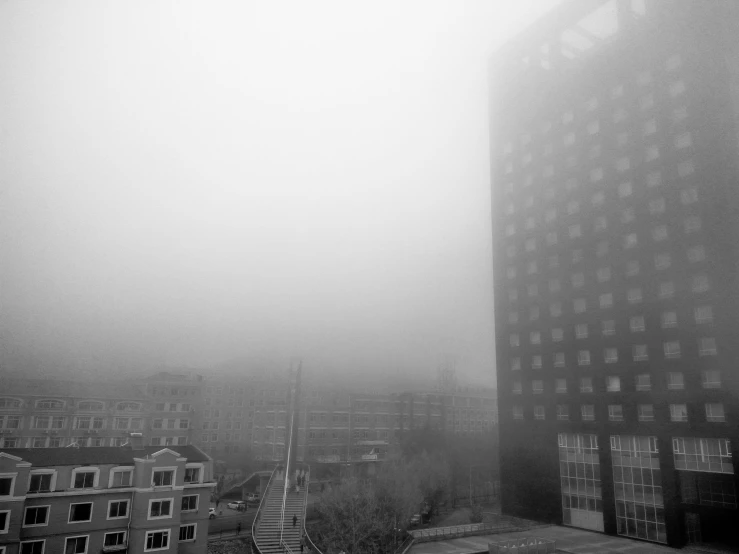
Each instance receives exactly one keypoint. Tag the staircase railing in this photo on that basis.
(258, 517)
(287, 465)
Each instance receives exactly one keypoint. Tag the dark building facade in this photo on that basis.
(615, 173)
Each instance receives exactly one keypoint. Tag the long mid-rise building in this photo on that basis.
(615, 163)
(107, 499)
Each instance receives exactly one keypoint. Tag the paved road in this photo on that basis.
(230, 519)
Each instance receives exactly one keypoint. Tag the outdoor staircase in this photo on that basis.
(267, 535)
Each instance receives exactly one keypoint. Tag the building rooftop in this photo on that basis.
(118, 390)
(118, 455)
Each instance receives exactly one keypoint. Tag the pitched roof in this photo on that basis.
(118, 455)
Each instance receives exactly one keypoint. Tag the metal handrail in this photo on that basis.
(257, 518)
(287, 465)
(286, 547)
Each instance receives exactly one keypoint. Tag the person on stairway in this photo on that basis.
(295, 520)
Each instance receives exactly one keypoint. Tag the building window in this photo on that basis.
(539, 412)
(613, 383)
(537, 387)
(81, 512)
(707, 347)
(715, 413)
(632, 268)
(32, 547)
(76, 545)
(598, 199)
(586, 384)
(654, 179)
(578, 280)
(604, 274)
(675, 381)
(696, 254)
(555, 309)
(579, 305)
(84, 478)
(532, 290)
(711, 379)
(41, 481)
(512, 319)
(677, 88)
(615, 412)
(563, 412)
(672, 349)
(557, 334)
(560, 386)
(160, 508)
(623, 164)
(685, 168)
(583, 357)
(708, 455)
(162, 478)
(666, 289)
(610, 355)
(517, 412)
(121, 477)
(575, 231)
(669, 320)
(643, 382)
(652, 153)
(117, 509)
(117, 538)
(581, 330)
(609, 327)
(662, 261)
(636, 324)
(630, 240)
(700, 284)
(640, 352)
(587, 411)
(189, 503)
(580, 482)
(536, 361)
(636, 468)
(678, 412)
(559, 359)
(36, 516)
(645, 412)
(157, 540)
(692, 224)
(535, 337)
(187, 532)
(606, 300)
(657, 206)
(515, 364)
(193, 474)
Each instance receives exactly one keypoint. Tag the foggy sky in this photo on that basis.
(184, 183)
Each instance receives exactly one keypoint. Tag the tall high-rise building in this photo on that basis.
(615, 171)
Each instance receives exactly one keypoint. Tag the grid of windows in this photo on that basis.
(637, 486)
(708, 455)
(579, 470)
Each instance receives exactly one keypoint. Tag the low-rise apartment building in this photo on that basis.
(107, 499)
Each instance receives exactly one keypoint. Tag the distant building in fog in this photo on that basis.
(616, 244)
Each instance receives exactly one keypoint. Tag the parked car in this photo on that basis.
(237, 505)
(415, 519)
(252, 497)
(211, 513)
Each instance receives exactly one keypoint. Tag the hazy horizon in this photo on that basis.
(188, 183)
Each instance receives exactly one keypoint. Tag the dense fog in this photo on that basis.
(188, 183)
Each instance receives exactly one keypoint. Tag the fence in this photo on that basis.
(443, 533)
(527, 545)
(242, 533)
